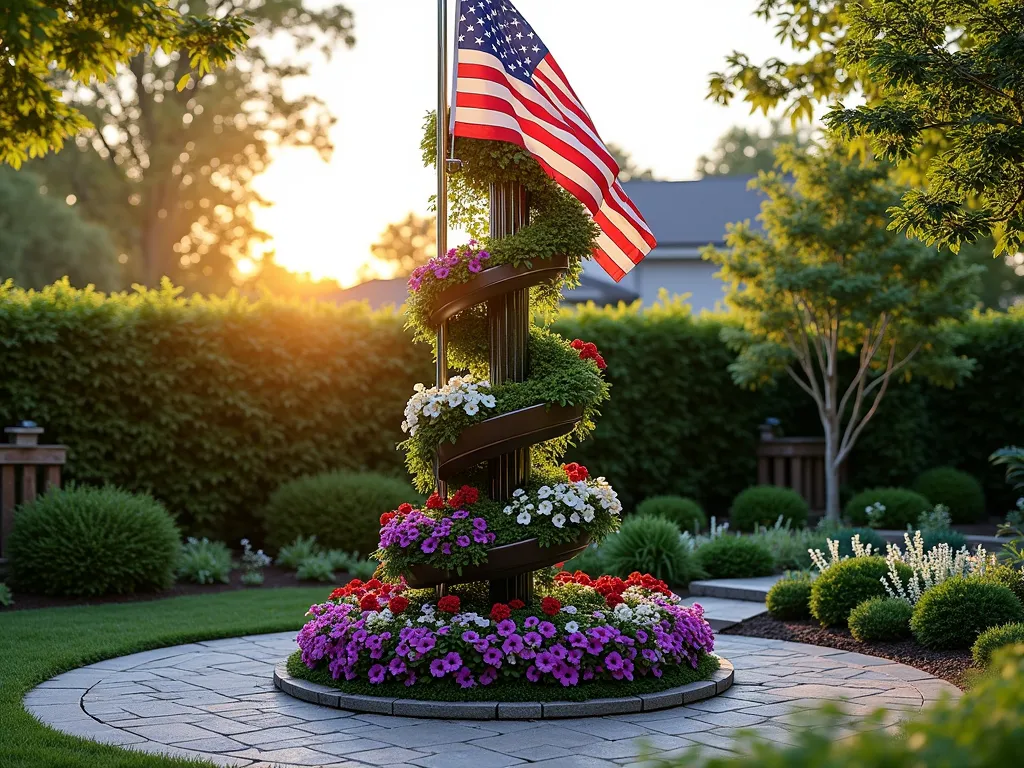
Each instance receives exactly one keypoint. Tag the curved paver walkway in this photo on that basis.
(216, 700)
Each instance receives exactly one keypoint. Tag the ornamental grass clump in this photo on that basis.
(790, 548)
(954, 613)
(650, 545)
(789, 598)
(204, 562)
(85, 542)
(881, 619)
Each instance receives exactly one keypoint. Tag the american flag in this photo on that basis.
(508, 87)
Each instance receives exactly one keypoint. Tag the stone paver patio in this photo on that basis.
(216, 700)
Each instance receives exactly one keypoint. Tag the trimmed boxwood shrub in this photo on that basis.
(955, 489)
(846, 585)
(1008, 576)
(902, 507)
(994, 638)
(763, 504)
(685, 513)
(341, 509)
(735, 557)
(867, 536)
(952, 614)
(880, 619)
(790, 598)
(649, 545)
(86, 542)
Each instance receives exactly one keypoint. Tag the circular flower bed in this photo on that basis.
(578, 631)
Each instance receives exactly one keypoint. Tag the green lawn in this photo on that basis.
(36, 645)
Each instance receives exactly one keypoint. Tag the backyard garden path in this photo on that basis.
(216, 700)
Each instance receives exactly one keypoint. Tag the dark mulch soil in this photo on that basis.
(954, 666)
(272, 577)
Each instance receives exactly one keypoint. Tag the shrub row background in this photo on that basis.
(211, 404)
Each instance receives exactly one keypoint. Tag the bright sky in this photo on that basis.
(640, 67)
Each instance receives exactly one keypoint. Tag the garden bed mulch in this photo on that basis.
(952, 666)
(273, 577)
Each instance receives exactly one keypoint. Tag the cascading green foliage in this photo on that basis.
(558, 226)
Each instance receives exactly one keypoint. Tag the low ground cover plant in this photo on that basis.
(320, 562)
(253, 563)
(957, 490)
(204, 562)
(790, 597)
(652, 545)
(763, 505)
(888, 508)
(687, 514)
(735, 557)
(881, 619)
(6, 597)
(81, 541)
(954, 613)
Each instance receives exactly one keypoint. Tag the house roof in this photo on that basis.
(694, 213)
(601, 292)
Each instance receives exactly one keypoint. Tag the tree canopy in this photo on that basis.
(407, 244)
(628, 169)
(955, 67)
(825, 279)
(170, 172)
(85, 41)
(43, 239)
(742, 151)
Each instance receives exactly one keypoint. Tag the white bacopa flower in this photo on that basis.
(558, 520)
(524, 518)
(571, 626)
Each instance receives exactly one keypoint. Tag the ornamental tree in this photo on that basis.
(826, 280)
(87, 41)
(955, 67)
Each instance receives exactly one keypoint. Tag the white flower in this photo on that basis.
(487, 401)
(518, 492)
(574, 518)
(507, 510)
(623, 612)
(471, 409)
(545, 508)
(543, 492)
(571, 610)
(524, 518)
(558, 520)
(433, 410)
(571, 626)
(571, 499)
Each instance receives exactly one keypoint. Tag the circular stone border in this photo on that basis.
(720, 682)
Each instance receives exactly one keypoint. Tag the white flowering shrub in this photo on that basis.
(823, 564)
(570, 503)
(930, 568)
(462, 392)
(876, 514)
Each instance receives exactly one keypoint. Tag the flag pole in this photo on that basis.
(442, 185)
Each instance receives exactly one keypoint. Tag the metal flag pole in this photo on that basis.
(442, 185)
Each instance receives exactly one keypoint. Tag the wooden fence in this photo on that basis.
(794, 462)
(25, 468)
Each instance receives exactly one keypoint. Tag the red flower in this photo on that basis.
(355, 583)
(464, 497)
(386, 518)
(614, 599)
(600, 362)
(589, 350)
(338, 593)
(404, 509)
(368, 603)
(373, 584)
(577, 344)
(576, 472)
(559, 566)
(435, 501)
(471, 494)
(398, 604)
(550, 605)
(449, 604)
(500, 612)
(516, 605)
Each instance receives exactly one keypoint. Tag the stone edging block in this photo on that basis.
(323, 695)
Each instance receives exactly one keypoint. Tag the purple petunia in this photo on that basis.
(377, 673)
(462, 541)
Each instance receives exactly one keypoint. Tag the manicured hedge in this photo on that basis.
(210, 405)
